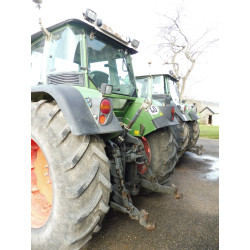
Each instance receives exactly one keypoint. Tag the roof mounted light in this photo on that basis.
(135, 43)
(99, 22)
(90, 15)
(127, 39)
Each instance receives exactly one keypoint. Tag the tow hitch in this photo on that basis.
(197, 149)
(135, 214)
(164, 189)
(126, 154)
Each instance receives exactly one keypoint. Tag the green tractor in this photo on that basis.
(94, 143)
(163, 91)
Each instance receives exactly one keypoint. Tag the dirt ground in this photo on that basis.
(190, 223)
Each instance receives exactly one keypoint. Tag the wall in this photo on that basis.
(204, 116)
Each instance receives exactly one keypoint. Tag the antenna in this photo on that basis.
(149, 66)
(149, 80)
(38, 5)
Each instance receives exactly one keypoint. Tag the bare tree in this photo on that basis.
(177, 48)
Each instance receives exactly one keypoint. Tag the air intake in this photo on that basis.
(66, 78)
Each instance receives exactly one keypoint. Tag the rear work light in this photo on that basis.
(172, 113)
(105, 106)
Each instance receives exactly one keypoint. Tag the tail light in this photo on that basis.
(102, 119)
(105, 106)
(172, 113)
(184, 108)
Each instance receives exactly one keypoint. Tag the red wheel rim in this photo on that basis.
(142, 168)
(146, 148)
(41, 187)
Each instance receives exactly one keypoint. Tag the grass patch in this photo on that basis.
(207, 131)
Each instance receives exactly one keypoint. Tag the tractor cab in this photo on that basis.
(164, 91)
(85, 53)
(163, 87)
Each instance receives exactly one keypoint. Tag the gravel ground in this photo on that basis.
(189, 223)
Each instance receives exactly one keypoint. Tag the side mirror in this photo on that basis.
(38, 1)
(167, 99)
(109, 89)
(106, 88)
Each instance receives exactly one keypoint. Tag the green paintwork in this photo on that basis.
(120, 97)
(188, 109)
(127, 113)
(87, 92)
(145, 118)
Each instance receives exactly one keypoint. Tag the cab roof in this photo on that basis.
(88, 26)
(170, 76)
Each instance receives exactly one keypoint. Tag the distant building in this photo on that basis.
(209, 116)
(208, 111)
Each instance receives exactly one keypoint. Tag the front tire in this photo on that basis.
(80, 176)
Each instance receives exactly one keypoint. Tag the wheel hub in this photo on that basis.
(41, 187)
(142, 168)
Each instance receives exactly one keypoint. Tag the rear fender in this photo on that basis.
(178, 112)
(77, 112)
(165, 119)
(193, 115)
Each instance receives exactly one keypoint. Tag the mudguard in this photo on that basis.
(75, 109)
(178, 112)
(166, 119)
(193, 115)
(154, 118)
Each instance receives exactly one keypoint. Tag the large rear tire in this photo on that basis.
(162, 148)
(194, 132)
(181, 133)
(79, 172)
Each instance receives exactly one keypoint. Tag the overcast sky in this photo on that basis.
(141, 20)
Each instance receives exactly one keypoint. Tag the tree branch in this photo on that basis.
(176, 46)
